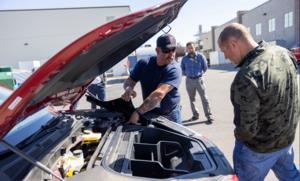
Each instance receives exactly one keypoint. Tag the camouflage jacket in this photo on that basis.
(264, 94)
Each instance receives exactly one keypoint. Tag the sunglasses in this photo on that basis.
(168, 50)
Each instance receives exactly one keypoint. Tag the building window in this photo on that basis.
(288, 19)
(272, 25)
(258, 29)
(109, 18)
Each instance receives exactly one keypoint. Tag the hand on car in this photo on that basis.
(129, 92)
(134, 118)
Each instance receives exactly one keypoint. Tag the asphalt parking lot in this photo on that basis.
(218, 80)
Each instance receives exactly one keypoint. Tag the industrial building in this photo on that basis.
(275, 21)
(30, 37)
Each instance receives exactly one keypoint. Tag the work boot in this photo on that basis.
(194, 118)
(210, 120)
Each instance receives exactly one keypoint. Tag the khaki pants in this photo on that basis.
(193, 85)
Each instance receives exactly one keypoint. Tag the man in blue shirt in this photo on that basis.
(193, 66)
(160, 77)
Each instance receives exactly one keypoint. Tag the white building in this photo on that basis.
(145, 52)
(38, 34)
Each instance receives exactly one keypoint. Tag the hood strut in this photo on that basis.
(30, 159)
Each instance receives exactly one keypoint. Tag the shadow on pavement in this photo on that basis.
(191, 123)
(224, 67)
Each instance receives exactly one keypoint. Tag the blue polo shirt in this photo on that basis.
(151, 75)
(194, 66)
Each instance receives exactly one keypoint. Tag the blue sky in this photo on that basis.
(208, 13)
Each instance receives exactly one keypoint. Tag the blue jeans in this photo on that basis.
(98, 90)
(175, 115)
(254, 166)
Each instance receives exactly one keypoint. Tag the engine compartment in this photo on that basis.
(106, 142)
(100, 139)
(92, 144)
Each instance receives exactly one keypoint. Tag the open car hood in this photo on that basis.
(63, 78)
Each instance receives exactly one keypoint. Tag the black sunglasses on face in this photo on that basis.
(168, 50)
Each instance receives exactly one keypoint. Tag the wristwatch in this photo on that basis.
(138, 112)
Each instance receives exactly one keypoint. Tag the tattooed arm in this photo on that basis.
(128, 87)
(151, 101)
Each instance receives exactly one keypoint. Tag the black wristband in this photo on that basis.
(138, 112)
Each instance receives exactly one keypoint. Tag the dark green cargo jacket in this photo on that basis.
(264, 94)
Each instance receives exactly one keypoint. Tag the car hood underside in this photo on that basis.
(63, 79)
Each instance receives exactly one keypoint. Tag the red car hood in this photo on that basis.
(63, 78)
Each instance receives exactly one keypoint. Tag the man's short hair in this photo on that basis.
(234, 30)
(189, 43)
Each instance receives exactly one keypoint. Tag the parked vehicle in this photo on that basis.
(57, 142)
(296, 52)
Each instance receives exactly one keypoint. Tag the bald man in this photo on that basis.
(264, 95)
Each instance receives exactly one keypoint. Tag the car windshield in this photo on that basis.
(27, 127)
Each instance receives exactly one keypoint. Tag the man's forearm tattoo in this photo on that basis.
(149, 104)
(128, 83)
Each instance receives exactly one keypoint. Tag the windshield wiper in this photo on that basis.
(44, 130)
(30, 159)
